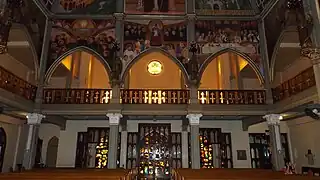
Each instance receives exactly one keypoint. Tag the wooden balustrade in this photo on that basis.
(236, 97)
(299, 83)
(143, 96)
(16, 85)
(76, 96)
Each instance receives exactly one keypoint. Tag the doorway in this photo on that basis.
(52, 151)
(154, 151)
(3, 142)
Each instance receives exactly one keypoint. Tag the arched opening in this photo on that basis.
(52, 151)
(229, 70)
(21, 59)
(79, 68)
(3, 143)
(155, 69)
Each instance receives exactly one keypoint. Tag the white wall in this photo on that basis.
(305, 135)
(11, 126)
(46, 132)
(240, 139)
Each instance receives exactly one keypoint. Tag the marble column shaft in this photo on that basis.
(273, 121)
(194, 121)
(114, 119)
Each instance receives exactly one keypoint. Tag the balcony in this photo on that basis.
(144, 96)
(301, 82)
(16, 85)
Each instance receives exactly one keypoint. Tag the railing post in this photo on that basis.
(265, 62)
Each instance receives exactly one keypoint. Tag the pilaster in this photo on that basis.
(190, 5)
(124, 139)
(185, 144)
(33, 120)
(194, 121)
(264, 65)
(120, 6)
(273, 121)
(191, 19)
(43, 64)
(119, 17)
(114, 120)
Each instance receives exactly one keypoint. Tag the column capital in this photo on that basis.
(119, 16)
(194, 119)
(273, 119)
(34, 118)
(191, 17)
(114, 118)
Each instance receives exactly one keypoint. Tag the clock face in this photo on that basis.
(155, 67)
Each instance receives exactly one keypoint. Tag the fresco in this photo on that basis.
(97, 35)
(155, 6)
(81, 6)
(214, 36)
(223, 7)
(169, 35)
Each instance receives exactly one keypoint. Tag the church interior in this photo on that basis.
(159, 89)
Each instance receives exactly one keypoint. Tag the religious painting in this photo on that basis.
(214, 36)
(81, 6)
(96, 35)
(155, 6)
(224, 7)
(169, 35)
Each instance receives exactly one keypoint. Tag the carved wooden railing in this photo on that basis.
(76, 96)
(299, 83)
(16, 85)
(236, 97)
(144, 96)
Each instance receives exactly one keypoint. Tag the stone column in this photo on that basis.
(120, 6)
(185, 144)
(124, 139)
(194, 121)
(119, 30)
(33, 120)
(43, 64)
(191, 18)
(114, 119)
(264, 65)
(273, 121)
(190, 4)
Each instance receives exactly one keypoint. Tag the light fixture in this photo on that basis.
(155, 67)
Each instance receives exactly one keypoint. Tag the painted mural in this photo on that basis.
(81, 6)
(97, 35)
(223, 7)
(214, 36)
(155, 6)
(169, 35)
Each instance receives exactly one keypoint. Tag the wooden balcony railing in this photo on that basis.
(299, 83)
(236, 97)
(76, 96)
(140, 96)
(16, 85)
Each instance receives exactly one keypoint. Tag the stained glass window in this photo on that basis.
(154, 150)
(132, 156)
(176, 151)
(226, 151)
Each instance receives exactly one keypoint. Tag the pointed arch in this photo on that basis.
(149, 51)
(35, 57)
(243, 55)
(56, 63)
(3, 143)
(275, 52)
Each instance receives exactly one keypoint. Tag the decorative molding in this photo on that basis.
(119, 16)
(191, 17)
(273, 119)
(34, 118)
(194, 119)
(114, 118)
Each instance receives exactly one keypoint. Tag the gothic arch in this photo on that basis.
(275, 53)
(3, 143)
(35, 57)
(56, 63)
(151, 50)
(244, 56)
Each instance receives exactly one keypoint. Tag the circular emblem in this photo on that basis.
(155, 67)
